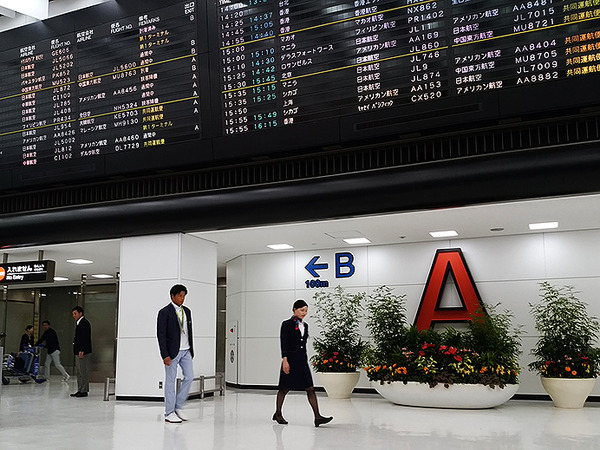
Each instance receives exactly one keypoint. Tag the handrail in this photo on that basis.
(107, 392)
(219, 386)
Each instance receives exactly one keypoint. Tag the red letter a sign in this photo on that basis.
(447, 262)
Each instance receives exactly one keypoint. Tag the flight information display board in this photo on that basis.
(125, 85)
(128, 86)
(285, 62)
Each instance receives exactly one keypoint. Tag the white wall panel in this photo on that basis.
(236, 276)
(261, 360)
(514, 296)
(202, 300)
(572, 255)
(270, 272)
(402, 263)
(139, 303)
(204, 356)
(142, 365)
(234, 307)
(265, 311)
(504, 258)
(198, 258)
(150, 258)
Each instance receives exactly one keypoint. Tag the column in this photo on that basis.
(149, 266)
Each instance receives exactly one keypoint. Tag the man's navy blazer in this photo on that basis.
(168, 331)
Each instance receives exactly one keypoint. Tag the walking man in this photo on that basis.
(176, 344)
(82, 348)
(50, 339)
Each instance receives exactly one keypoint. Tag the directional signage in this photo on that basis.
(312, 267)
(331, 267)
(27, 272)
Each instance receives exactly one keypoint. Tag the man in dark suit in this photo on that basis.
(82, 348)
(176, 344)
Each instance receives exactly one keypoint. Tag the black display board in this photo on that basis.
(28, 272)
(133, 85)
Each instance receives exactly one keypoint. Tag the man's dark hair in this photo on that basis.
(46, 321)
(177, 289)
(78, 309)
(28, 327)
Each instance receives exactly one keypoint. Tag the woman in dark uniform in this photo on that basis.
(295, 373)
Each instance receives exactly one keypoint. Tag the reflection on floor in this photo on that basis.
(44, 416)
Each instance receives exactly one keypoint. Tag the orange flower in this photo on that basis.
(574, 373)
(568, 369)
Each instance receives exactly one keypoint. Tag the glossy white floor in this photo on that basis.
(44, 416)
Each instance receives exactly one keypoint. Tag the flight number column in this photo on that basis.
(428, 42)
(63, 102)
(538, 59)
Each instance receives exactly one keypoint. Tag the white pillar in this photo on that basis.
(150, 265)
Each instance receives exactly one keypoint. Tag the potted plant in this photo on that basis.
(339, 347)
(565, 356)
(475, 368)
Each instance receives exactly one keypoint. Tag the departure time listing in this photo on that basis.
(284, 62)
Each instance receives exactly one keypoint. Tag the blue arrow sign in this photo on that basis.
(312, 266)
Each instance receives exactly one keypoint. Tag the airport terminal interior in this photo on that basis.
(265, 151)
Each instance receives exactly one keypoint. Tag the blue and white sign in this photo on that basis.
(331, 268)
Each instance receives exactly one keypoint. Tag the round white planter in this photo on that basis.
(462, 396)
(568, 393)
(340, 384)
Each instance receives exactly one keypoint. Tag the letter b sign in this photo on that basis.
(343, 265)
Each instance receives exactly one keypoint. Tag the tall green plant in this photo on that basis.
(386, 322)
(340, 347)
(565, 348)
(493, 337)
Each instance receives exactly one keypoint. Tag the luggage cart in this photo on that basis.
(23, 366)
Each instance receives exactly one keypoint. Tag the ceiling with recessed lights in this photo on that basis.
(480, 221)
(16, 13)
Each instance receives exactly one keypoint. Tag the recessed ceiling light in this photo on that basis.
(543, 226)
(80, 261)
(443, 234)
(357, 241)
(61, 279)
(102, 276)
(280, 246)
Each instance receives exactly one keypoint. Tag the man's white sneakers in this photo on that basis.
(181, 415)
(172, 418)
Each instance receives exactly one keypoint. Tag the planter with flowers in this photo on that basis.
(565, 356)
(339, 347)
(476, 368)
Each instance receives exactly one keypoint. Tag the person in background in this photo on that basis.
(27, 338)
(295, 371)
(176, 344)
(82, 348)
(50, 340)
